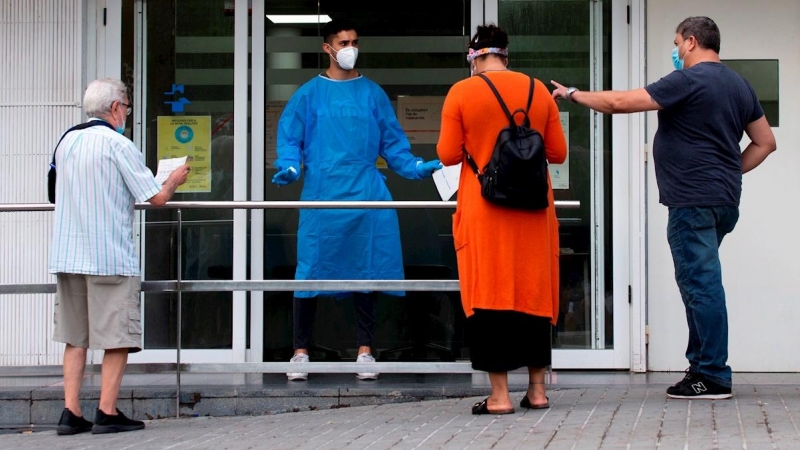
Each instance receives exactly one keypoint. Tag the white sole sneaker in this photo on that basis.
(299, 358)
(297, 376)
(366, 358)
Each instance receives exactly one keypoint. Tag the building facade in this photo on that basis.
(209, 78)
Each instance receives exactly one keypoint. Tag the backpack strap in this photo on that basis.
(510, 116)
(502, 103)
(472, 164)
(81, 126)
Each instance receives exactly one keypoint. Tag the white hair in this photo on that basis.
(100, 94)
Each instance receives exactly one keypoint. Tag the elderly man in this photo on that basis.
(93, 253)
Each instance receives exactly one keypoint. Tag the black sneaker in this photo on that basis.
(687, 379)
(104, 423)
(71, 424)
(695, 385)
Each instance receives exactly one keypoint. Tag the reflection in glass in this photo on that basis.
(190, 44)
(551, 40)
(762, 74)
(407, 54)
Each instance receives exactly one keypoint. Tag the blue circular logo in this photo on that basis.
(184, 134)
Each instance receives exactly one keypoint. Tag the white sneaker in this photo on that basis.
(298, 376)
(366, 358)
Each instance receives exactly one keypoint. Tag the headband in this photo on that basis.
(485, 51)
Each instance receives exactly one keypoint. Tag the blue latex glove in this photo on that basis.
(425, 169)
(286, 176)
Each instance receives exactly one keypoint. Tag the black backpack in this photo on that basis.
(51, 174)
(516, 175)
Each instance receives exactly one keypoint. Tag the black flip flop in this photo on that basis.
(525, 403)
(483, 408)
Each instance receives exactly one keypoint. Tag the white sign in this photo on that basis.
(559, 173)
(420, 118)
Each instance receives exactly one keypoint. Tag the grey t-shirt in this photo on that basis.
(696, 150)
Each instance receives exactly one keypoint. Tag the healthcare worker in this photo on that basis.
(332, 131)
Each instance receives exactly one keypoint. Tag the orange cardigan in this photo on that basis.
(507, 258)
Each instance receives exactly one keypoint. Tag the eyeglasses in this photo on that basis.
(129, 108)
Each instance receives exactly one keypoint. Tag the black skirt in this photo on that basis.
(500, 341)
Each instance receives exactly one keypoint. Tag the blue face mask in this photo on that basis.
(121, 127)
(676, 59)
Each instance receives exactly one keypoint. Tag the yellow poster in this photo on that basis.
(188, 136)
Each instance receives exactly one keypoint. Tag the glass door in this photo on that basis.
(570, 41)
(415, 50)
(185, 56)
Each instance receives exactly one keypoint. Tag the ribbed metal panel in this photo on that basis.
(40, 94)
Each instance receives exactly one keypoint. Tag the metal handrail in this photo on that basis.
(171, 286)
(392, 204)
(179, 286)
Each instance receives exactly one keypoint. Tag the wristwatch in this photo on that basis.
(570, 91)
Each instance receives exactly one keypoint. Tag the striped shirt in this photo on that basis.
(100, 176)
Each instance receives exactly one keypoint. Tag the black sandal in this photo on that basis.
(482, 407)
(525, 403)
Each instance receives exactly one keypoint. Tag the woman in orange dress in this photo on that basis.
(507, 258)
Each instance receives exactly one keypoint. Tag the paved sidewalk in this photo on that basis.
(760, 416)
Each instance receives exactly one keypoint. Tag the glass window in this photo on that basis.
(189, 111)
(762, 74)
(413, 50)
(552, 40)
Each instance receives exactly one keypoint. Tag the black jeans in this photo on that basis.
(365, 307)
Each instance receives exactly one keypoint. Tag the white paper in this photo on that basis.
(167, 166)
(446, 180)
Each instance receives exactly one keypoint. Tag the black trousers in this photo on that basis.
(365, 307)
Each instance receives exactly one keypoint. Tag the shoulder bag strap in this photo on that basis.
(81, 126)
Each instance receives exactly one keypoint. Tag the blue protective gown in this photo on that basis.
(335, 130)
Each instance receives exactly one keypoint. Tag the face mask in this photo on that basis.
(677, 62)
(346, 57)
(121, 127)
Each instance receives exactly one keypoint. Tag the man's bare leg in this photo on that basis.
(74, 366)
(114, 363)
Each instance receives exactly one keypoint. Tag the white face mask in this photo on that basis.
(346, 57)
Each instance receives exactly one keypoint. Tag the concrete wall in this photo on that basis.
(760, 258)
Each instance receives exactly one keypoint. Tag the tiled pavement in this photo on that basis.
(589, 411)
